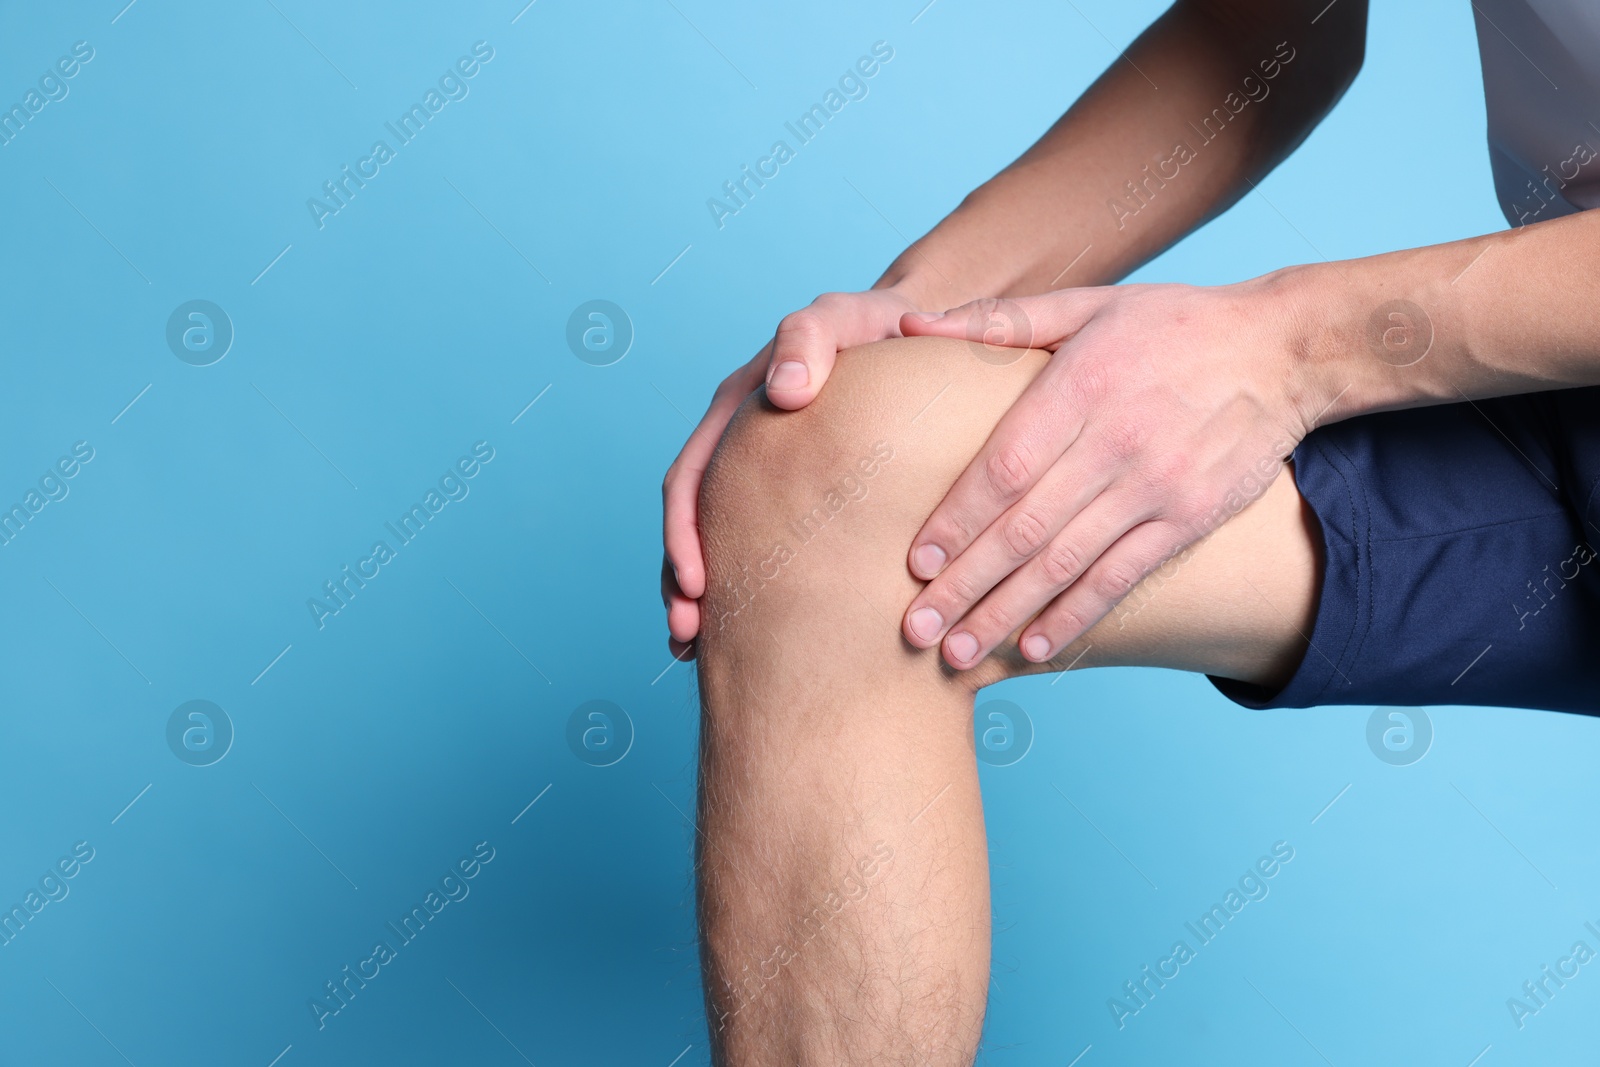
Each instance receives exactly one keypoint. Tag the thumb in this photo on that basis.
(807, 345)
(1043, 321)
(800, 358)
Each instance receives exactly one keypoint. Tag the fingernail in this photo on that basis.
(928, 316)
(1036, 648)
(790, 374)
(929, 560)
(926, 623)
(962, 646)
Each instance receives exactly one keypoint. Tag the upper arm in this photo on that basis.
(1334, 32)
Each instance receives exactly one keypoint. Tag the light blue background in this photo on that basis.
(427, 714)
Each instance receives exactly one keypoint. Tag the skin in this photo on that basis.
(1159, 398)
(843, 880)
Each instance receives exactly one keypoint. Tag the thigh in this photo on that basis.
(1459, 563)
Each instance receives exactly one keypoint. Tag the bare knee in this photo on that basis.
(806, 516)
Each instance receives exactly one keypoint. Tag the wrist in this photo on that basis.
(1324, 361)
(950, 265)
(1378, 334)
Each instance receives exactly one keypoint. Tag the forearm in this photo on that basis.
(1510, 312)
(1207, 100)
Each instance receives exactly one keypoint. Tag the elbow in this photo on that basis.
(1340, 53)
(1261, 34)
(1347, 59)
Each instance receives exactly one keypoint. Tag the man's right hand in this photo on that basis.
(794, 365)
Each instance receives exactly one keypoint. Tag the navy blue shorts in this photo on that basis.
(1459, 566)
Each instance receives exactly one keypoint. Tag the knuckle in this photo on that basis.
(1123, 441)
(1189, 513)
(960, 587)
(1192, 517)
(670, 479)
(989, 623)
(1061, 564)
(978, 315)
(799, 327)
(957, 530)
(1117, 580)
(1066, 623)
(1025, 534)
(1164, 475)
(1009, 470)
(1088, 385)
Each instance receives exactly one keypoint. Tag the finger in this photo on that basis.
(1060, 564)
(1027, 441)
(683, 620)
(683, 613)
(669, 584)
(1103, 586)
(1011, 541)
(808, 342)
(680, 491)
(1042, 321)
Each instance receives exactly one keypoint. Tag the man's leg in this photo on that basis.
(844, 899)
